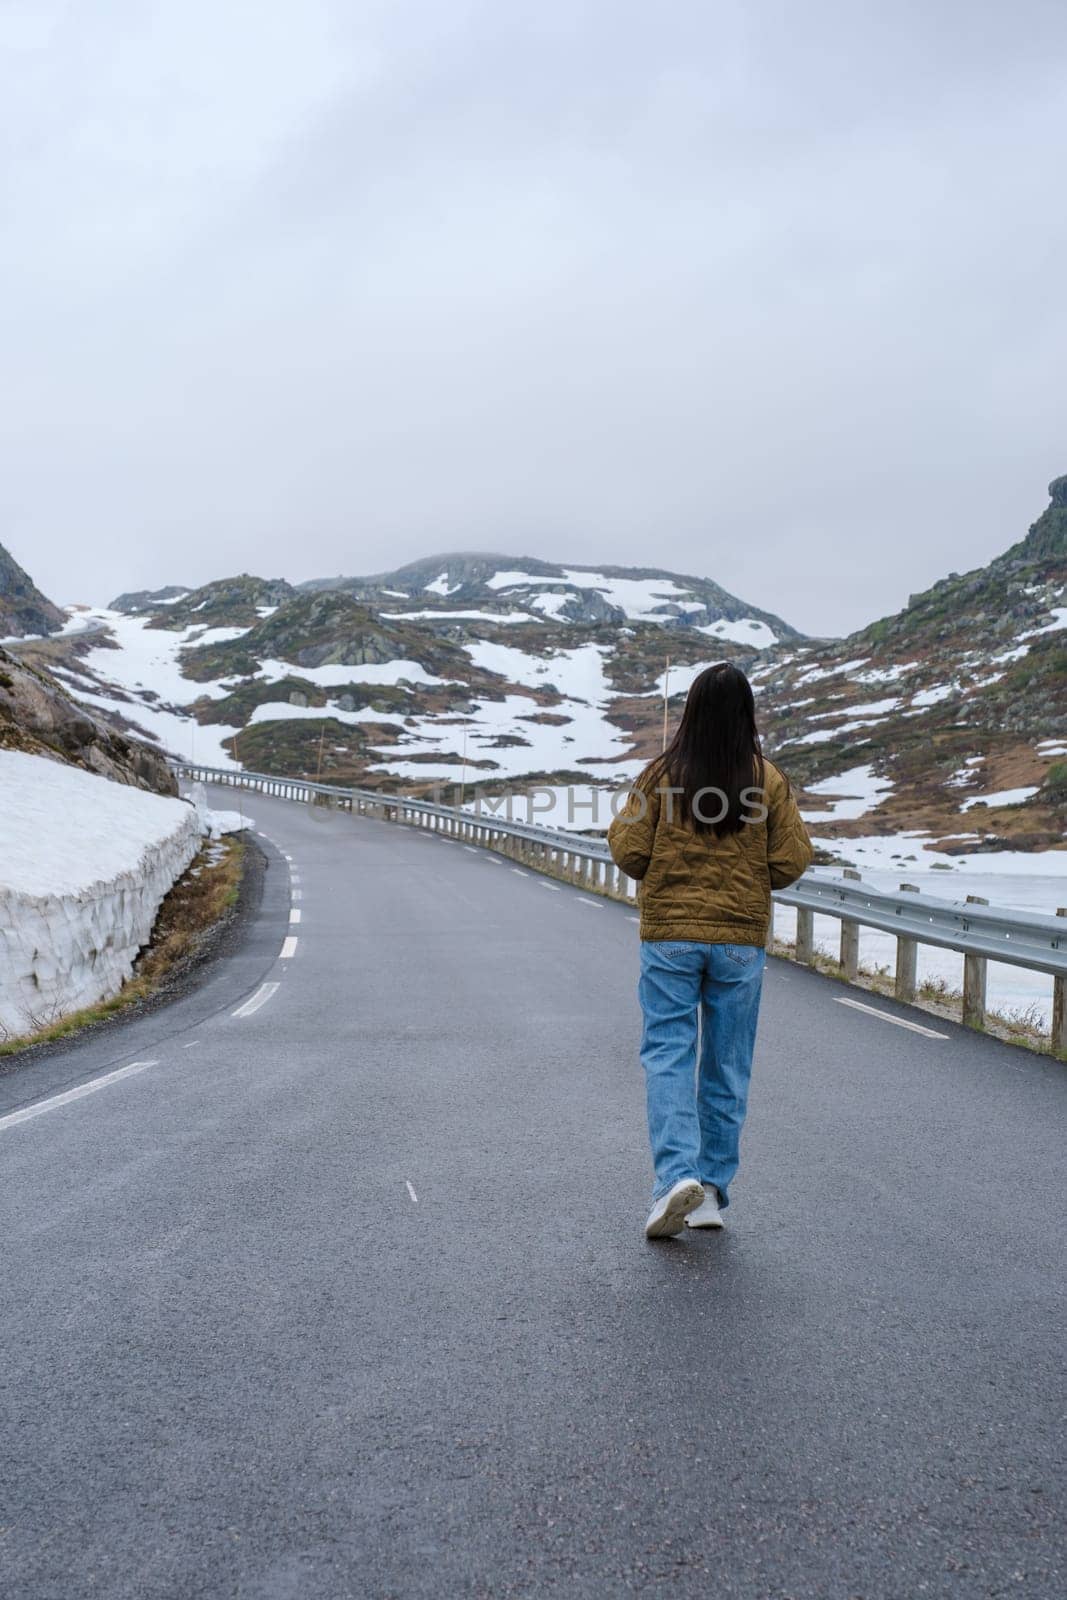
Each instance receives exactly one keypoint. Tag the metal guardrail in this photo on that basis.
(979, 932)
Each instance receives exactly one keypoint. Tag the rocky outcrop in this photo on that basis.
(23, 608)
(1047, 538)
(140, 602)
(327, 628)
(227, 603)
(39, 717)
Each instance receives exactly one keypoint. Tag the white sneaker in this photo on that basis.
(669, 1213)
(707, 1214)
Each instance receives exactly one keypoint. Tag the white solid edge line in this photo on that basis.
(260, 998)
(898, 1022)
(41, 1106)
(411, 1191)
(294, 915)
(288, 947)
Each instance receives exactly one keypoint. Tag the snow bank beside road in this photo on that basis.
(84, 865)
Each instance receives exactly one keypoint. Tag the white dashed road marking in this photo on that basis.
(520, 873)
(294, 915)
(411, 1192)
(79, 1093)
(288, 947)
(898, 1022)
(260, 998)
(593, 904)
(553, 886)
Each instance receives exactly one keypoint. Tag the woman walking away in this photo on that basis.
(710, 828)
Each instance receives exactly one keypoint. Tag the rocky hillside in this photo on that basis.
(950, 717)
(39, 717)
(23, 608)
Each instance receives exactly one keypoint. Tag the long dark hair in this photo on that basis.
(716, 748)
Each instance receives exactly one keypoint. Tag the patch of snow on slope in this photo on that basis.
(552, 604)
(512, 579)
(637, 597)
(824, 735)
(965, 774)
(84, 865)
(859, 791)
(816, 674)
(441, 585)
(677, 679)
(335, 676)
(1002, 797)
(934, 697)
(518, 666)
(282, 711)
(886, 674)
(743, 630)
(874, 708)
(1059, 620)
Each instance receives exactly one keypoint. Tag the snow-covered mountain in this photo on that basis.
(946, 721)
(522, 589)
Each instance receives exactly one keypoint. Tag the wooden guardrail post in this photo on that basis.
(850, 939)
(1059, 1006)
(907, 975)
(805, 935)
(974, 980)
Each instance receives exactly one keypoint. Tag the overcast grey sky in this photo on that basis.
(763, 291)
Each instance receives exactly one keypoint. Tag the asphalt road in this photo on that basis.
(348, 1295)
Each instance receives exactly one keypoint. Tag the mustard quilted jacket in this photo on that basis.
(694, 886)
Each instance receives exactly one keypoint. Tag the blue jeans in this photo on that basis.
(696, 1110)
